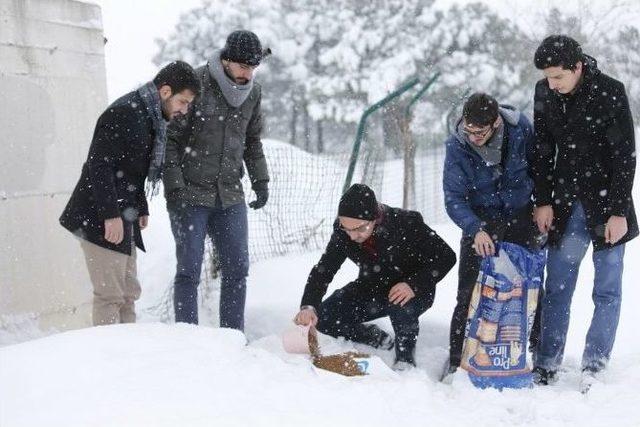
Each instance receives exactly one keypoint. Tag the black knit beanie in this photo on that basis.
(243, 47)
(358, 202)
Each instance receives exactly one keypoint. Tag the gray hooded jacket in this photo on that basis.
(491, 152)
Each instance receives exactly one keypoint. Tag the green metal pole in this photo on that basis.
(361, 126)
(408, 187)
(421, 92)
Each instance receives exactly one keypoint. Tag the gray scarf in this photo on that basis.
(491, 151)
(234, 93)
(151, 100)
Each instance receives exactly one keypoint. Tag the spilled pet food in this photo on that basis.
(342, 363)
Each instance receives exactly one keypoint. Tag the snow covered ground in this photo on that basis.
(155, 374)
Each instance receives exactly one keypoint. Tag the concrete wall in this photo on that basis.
(52, 90)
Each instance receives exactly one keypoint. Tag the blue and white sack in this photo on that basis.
(501, 313)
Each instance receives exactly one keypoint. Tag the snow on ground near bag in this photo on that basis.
(154, 374)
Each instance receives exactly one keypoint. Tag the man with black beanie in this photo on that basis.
(400, 260)
(207, 151)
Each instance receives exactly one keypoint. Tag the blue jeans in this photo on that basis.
(562, 273)
(228, 229)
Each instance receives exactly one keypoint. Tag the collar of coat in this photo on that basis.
(590, 72)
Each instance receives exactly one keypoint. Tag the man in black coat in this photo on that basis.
(583, 165)
(400, 259)
(108, 207)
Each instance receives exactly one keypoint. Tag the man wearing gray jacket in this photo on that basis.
(207, 151)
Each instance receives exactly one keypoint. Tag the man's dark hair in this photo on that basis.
(480, 110)
(558, 51)
(178, 75)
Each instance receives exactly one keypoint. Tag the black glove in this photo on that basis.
(262, 195)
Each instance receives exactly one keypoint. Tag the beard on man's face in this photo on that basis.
(168, 113)
(237, 80)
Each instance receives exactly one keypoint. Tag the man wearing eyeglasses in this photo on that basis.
(400, 260)
(487, 194)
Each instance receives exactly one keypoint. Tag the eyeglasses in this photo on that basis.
(477, 133)
(359, 229)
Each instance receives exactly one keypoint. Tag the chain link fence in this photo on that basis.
(304, 192)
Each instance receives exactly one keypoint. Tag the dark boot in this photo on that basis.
(447, 372)
(377, 337)
(543, 376)
(405, 349)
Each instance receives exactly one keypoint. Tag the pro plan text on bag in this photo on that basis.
(501, 315)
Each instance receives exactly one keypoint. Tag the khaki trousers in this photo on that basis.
(115, 285)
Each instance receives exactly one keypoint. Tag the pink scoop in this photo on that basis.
(296, 339)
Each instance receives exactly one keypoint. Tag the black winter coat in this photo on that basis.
(585, 150)
(407, 251)
(112, 181)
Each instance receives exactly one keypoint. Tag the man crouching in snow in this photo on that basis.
(400, 259)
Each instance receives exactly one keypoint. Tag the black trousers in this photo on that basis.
(345, 311)
(468, 269)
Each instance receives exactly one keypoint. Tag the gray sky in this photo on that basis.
(132, 26)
